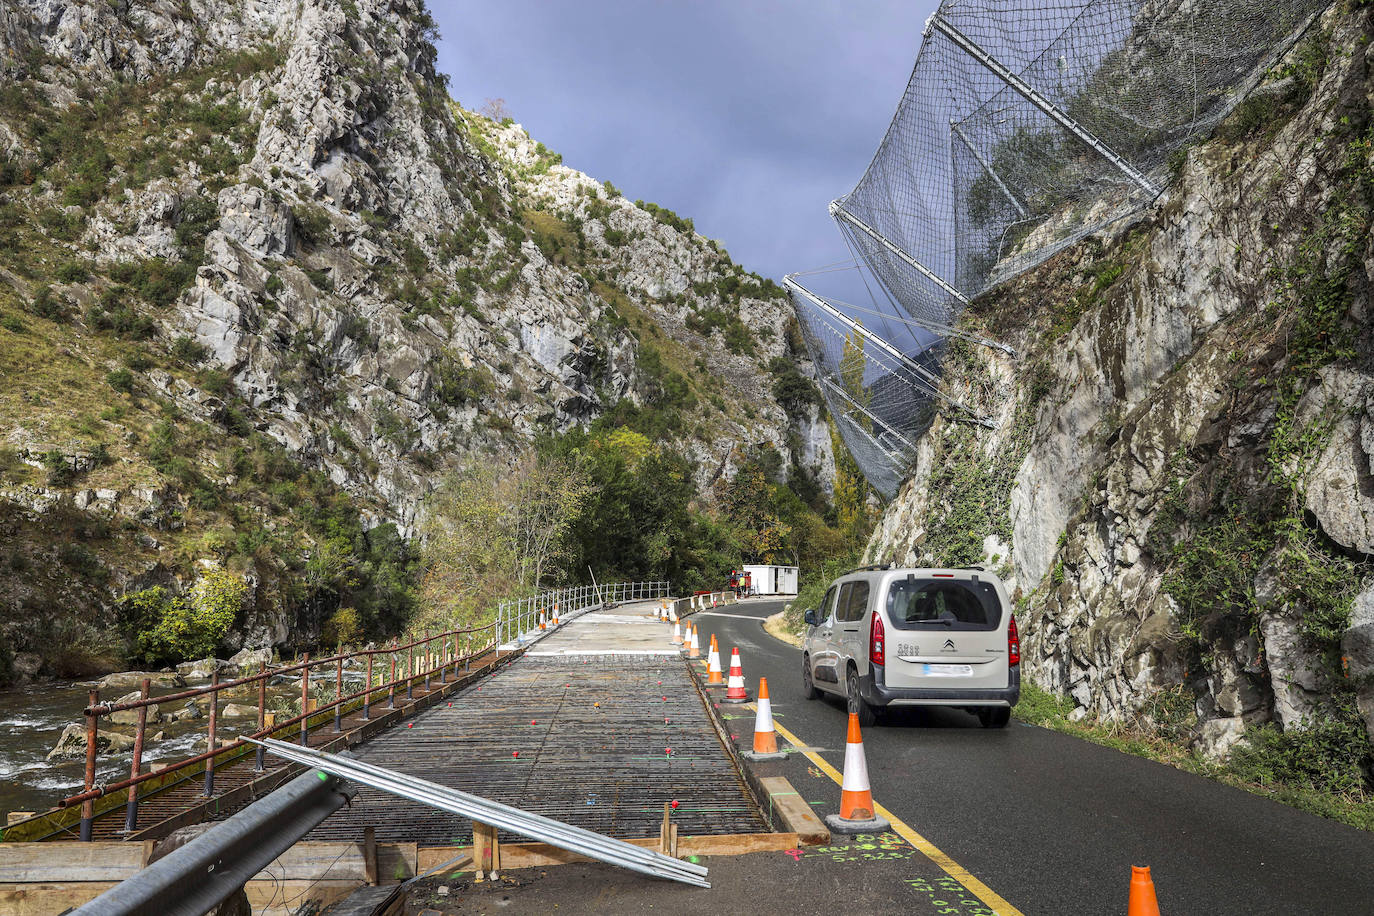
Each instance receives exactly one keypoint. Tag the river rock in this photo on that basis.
(203, 668)
(191, 710)
(73, 742)
(246, 661)
(26, 666)
(238, 710)
(135, 679)
(130, 716)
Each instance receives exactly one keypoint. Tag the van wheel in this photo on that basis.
(867, 714)
(809, 690)
(994, 716)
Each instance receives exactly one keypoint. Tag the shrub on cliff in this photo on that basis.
(169, 628)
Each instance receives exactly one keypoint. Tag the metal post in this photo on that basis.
(410, 671)
(305, 701)
(1032, 95)
(367, 693)
(262, 712)
(429, 658)
(987, 167)
(338, 696)
(131, 810)
(88, 806)
(925, 375)
(391, 686)
(214, 720)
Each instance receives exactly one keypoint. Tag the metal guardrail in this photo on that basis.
(519, 616)
(423, 657)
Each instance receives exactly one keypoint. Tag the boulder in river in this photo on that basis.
(191, 710)
(73, 742)
(247, 661)
(135, 679)
(204, 668)
(238, 710)
(130, 716)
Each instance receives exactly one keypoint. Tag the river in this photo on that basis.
(33, 716)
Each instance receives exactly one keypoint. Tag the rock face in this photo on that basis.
(1179, 490)
(325, 272)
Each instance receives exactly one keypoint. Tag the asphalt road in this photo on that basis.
(1051, 823)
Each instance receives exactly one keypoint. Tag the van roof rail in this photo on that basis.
(869, 568)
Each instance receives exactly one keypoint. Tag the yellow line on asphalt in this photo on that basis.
(950, 867)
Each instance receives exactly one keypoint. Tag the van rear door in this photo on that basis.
(947, 632)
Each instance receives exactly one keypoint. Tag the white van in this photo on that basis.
(915, 637)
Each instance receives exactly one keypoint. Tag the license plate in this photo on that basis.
(947, 670)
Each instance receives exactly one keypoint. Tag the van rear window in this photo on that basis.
(943, 604)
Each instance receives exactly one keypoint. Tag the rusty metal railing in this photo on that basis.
(424, 656)
(519, 616)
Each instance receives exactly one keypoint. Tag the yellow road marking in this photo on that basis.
(950, 867)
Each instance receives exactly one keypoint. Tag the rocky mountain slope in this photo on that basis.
(1181, 487)
(262, 283)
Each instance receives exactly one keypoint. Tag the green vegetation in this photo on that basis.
(168, 628)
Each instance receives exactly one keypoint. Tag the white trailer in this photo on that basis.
(772, 580)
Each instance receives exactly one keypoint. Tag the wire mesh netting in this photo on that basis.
(1024, 128)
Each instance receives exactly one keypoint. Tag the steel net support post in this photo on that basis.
(92, 735)
(1033, 95)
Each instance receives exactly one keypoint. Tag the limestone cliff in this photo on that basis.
(1180, 487)
(263, 283)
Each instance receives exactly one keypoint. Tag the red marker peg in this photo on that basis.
(674, 804)
(667, 750)
(533, 722)
(515, 754)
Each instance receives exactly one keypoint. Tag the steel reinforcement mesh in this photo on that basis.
(1024, 127)
(601, 742)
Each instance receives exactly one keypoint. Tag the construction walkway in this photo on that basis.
(598, 725)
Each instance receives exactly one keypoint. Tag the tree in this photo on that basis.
(550, 493)
(495, 110)
(469, 554)
(172, 628)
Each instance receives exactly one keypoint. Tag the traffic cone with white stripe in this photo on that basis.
(856, 797)
(542, 624)
(734, 691)
(677, 633)
(695, 650)
(765, 737)
(713, 672)
(555, 615)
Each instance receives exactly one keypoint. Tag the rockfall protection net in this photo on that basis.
(1025, 127)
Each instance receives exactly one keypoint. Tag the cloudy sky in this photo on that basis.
(748, 116)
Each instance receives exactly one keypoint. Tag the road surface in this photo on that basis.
(1052, 824)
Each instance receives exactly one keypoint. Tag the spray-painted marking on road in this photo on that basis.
(949, 897)
(865, 848)
(996, 905)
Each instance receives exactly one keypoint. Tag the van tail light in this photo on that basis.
(875, 641)
(1013, 643)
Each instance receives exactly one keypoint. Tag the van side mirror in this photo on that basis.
(810, 617)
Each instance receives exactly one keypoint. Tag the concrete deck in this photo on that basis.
(630, 629)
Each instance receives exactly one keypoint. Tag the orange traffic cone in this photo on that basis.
(555, 615)
(542, 624)
(677, 633)
(735, 692)
(1142, 901)
(713, 673)
(695, 651)
(856, 797)
(765, 738)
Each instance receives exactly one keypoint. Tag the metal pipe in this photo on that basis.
(391, 685)
(367, 697)
(131, 810)
(88, 806)
(197, 877)
(410, 672)
(338, 697)
(305, 702)
(214, 720)
(536, 827)
(262, 714)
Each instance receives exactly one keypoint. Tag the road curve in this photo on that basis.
(1053, 823)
